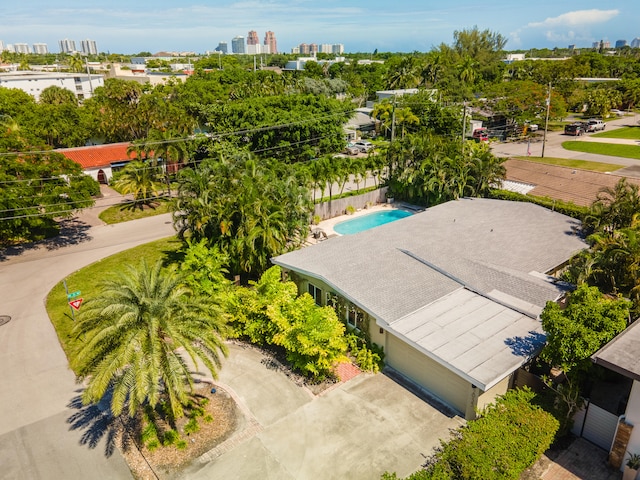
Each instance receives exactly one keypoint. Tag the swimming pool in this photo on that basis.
(365, 222)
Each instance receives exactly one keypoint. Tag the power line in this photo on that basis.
(63, 212)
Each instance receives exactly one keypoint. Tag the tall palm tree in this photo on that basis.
(137, 333)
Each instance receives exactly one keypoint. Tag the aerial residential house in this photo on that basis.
(453, 294)
(100, 161)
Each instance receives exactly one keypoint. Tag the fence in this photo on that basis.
(336, 207)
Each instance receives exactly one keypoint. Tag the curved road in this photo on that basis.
(36, 384)
(554, 148)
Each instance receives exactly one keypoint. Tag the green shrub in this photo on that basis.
(507, 439)
(171, 437)
(369, 356)
(181, 444)
(191, 426)
(567, 208)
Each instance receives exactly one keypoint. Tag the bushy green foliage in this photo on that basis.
(508, 438)
(369, 357)
(36, 190)
(272, 313)
(587, 323)
(251, 210)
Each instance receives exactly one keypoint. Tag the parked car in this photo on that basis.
(351, 149)
(576, 129)
(480, 134)
(618, 113)
(364, 145)
(594, 125)
(532, 127)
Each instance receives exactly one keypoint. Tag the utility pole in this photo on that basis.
(464, 123)
(393, 120)
(546, 121)
(86, 61)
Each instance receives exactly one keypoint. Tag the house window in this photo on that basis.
(316, 293)
(355, 317)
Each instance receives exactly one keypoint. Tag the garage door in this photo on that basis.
(435, 378)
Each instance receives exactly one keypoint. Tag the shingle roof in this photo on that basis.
(622, 353)
(487, 244)
(497, 250)
(98, 155)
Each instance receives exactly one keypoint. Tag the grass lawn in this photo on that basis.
(86, 280)
(124, 213)
(632, 133)
(581, 164)
(614, 150)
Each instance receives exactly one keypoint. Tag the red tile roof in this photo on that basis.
(98, 155)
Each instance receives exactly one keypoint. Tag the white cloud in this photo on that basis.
(577, 18)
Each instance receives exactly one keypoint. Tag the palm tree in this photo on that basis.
(405, 116)
(403, 75)
(137, 333)
(141, 180)
(76, 64)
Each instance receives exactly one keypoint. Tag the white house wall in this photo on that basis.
(633, 417)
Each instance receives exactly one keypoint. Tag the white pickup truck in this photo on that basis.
(594, 125)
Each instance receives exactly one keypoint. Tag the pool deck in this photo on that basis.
(327, 225)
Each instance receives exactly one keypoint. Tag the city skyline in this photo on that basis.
(402, 26)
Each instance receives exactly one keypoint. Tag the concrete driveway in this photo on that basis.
(358, 429)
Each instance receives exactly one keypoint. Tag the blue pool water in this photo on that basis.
(366, 222)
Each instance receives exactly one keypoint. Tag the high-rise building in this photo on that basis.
(2, 46)
(303, 49)
(621, 43)
(257, 49)
(237, 45)
(337, 48)
(40, 48)
(67, 46)
(222, 47)
(313, 48)
(635, 43)
(21, 48)
(326, 48)
(270, 39)
(252, 38)
(89, 47)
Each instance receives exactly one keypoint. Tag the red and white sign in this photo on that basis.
(75, 304)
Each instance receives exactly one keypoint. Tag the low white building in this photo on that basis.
(81, 84)
(100, 161)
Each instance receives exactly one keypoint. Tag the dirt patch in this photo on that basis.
(168, 461)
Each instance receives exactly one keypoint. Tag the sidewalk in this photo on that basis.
(90, 216)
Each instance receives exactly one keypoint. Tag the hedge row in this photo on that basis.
(566, 208)
(509, 437)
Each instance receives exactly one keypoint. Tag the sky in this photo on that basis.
(132, 26)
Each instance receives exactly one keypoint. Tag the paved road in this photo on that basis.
(36, 385)
(554, 148)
